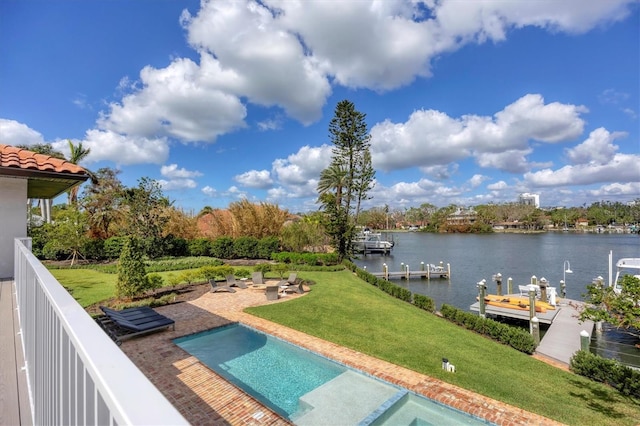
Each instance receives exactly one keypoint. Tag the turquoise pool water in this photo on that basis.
(309, 389)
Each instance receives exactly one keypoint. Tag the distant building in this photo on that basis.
(529, 199)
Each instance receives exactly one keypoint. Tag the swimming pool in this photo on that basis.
(309, 389)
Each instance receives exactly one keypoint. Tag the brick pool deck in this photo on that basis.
(204, 398)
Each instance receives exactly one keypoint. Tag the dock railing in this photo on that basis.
(75, 373)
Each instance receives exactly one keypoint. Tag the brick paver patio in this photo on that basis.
(205, 398)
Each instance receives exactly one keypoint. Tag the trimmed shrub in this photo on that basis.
(245, 248)
(222, 248)
(515, 337)
(608, 371)
(200, 247)
(132, 278)
(94, 249)
(113, 247)
(267, 246)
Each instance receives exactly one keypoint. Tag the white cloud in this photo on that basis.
(597, 149)
(303, 166)
(183, 101)
(172, 171)
(285, 53)
(209, 191)
(477, 180)
(15, 133)
(498, 186)
(177, 184)
(125, 150)
(255, 179)
(432, 138)
(623, 167)
(616, 189)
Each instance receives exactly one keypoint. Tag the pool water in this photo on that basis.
(309, 389)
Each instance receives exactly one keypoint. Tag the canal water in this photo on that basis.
(474, 257)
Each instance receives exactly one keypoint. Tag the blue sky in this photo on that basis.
(467, 102)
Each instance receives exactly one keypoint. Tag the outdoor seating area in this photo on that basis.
(273, 289)
(132, 322)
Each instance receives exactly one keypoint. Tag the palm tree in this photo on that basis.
(333, 178)
(78, 153)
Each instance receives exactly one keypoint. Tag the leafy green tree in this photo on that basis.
(145, 214)
(132, 275)
(103, 200)
(622, 309)
(68, 234)
(349, 177)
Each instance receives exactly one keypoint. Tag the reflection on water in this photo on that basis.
(474, 257)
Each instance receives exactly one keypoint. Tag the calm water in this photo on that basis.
(474, 257)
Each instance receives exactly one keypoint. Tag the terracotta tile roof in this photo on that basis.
(19, 158)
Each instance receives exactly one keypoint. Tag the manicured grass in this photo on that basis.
(343, 309)
(89, 287)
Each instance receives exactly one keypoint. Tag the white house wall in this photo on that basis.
(13, 220)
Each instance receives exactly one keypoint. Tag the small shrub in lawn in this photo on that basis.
(190, 276)
(262, 267)
(242, 273)
(154, 281)
(280, 268)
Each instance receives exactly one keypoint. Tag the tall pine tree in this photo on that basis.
(349, 177)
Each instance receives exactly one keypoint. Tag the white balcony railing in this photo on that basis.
(75, 373)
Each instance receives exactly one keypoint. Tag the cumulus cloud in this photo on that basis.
(210, 191)
(622, 167)
(177, 184)
(172, 171)
(255, 179)
(178, 178)
(432, 138)
(303, 166)
(15, 133)
(125, 150)
(287, 53)
(597, 149)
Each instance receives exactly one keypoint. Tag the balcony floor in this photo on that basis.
(14, 397)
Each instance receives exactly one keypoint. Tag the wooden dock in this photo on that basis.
(427, 271)
(562, 338)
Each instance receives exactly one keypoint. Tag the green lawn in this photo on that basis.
(89, 287)
(345, 310)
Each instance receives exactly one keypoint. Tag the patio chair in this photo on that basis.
(133, 322)
(233, 282)
(215, 288)
(272, 292)
(292, 278)
(297, 288)
(257, 278)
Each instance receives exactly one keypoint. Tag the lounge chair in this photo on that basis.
(233, 282)
(272, 292)
(297, 288)
(133, 322)
(257, 278)
(215, 288)
(292, 278)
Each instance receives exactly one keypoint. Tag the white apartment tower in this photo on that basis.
(529, 199)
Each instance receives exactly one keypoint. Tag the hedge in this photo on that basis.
(608, 371)
(515, 337)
